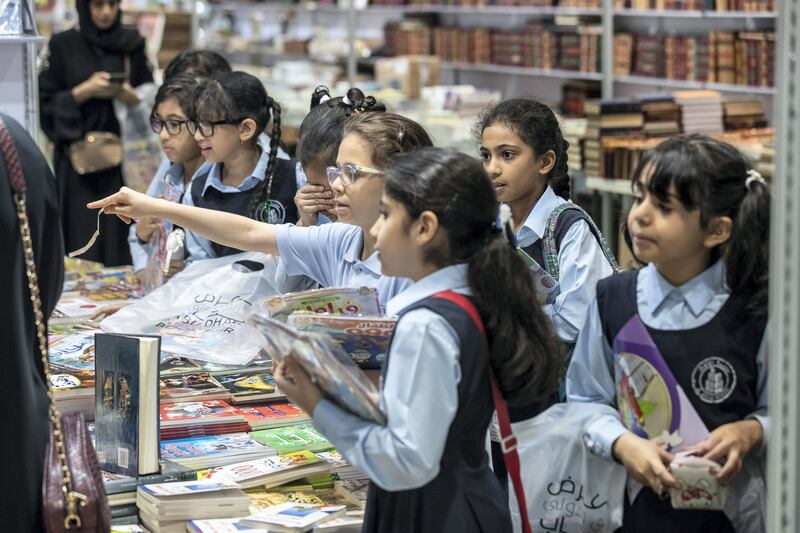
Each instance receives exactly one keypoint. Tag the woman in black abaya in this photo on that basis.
(23, 392)
(76, 94)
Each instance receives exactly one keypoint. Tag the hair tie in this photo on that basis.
(754, 175)
(346, 101)
(401, 134)
(505, 222)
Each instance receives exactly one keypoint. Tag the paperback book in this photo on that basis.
(250, 387)
(293, 438)
(269, 471)
(354, 302)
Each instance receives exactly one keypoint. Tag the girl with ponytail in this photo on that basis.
(246, 176)
(430, 472)
(697, 312)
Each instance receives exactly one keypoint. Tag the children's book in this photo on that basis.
(73, 353)
(273, 415)
(365, 339)
(193, 499)
(354, 302)
(329, 367)
(183, 488)
(269, 471)
(203, 452)
(547, 288)
(126, 403)
(263, 498)
(173, 364)
(207, 430)
(250, 387)
(293, 517)
(199, 413)
(293, 438)
(219, 525)
(195, 386)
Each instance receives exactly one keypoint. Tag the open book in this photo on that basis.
(328, 365)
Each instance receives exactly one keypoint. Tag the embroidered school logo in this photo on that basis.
(713, 380)
(275, 214)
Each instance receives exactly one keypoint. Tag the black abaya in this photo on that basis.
(23, 392)
(73, 60)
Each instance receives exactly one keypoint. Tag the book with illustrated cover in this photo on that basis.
(268, 471)
(293, 438)
(202, 452)
(183, 488)
(293, 517)
(263, 498)
(206, 430)
(126, 404)
(547, 288)
(365, 339)
(250, 387)
(273, 415)
(219, 525)
(195, 386)
(354, 302)
(199, 413)
(73, 353)
(173, 364)
(331, 369)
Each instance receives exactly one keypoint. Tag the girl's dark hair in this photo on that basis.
(538, 127)
(237, 96)
(455, 187)
(182, 88)
(198, 64)
(321, 131)
(711, 176)
(388, 134)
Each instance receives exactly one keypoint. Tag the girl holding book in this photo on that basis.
(334, 255)
(696, 316)
(438, 226)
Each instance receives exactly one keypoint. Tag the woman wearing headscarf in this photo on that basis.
(23, 392)
(76, 91)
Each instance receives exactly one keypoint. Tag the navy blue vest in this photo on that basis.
(564, 223)
(715, 364)
(281, 204)
(465, 496)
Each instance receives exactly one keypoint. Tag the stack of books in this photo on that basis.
(662, 116)
(701, 111)
(192, 387)
(185, 420)
(608, 119)
(86, 292)
(71, 354)
(574, 94)
(744, 114)
(250, 387)
(292, 439)
(273, 415)
(270, 471)
(216, 450)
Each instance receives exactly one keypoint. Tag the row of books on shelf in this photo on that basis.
(619, 132)
(535, 45)
(698, 5)
(744, 58)
(583, 4)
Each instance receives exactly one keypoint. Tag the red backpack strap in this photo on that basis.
(507, 440)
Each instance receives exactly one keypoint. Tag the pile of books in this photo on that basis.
(591, 4)
(744, 114)
(200, 419)
(697, 5)
(701, 111)
(662, 115)
(607, 119)
(87, 291)
(574, 94)
(215, 450)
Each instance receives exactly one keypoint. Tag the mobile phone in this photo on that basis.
(118, 77)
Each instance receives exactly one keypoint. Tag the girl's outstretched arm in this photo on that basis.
(224, 228)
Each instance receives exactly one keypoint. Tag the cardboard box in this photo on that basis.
(409, 74)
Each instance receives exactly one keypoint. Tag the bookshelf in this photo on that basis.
(522, 71)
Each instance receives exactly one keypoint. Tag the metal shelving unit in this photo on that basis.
(19, 85)
(522, 71)
(687, 84)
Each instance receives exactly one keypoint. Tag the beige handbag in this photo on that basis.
(97, 151)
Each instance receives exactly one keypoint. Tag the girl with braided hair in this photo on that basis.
(246, 177)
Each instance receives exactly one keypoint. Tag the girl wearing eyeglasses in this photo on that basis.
(245, 178)
(334, 255)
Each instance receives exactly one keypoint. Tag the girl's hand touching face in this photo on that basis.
(645, 461)
(294, 382)
(730, 443)
(311, 200)
(127, 204)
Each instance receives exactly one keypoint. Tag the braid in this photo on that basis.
(558, 178)
(259, 205)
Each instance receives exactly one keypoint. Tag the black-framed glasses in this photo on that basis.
(349, 173)
(206, 127)
(172, 126)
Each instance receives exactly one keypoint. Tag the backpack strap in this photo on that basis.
(557, 228)
(508, 441)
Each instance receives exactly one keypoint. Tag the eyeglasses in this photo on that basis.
(173, 126)
(348, 173)
(206, 128)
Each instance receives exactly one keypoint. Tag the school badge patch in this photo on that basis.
(275, 213)
(713, 380)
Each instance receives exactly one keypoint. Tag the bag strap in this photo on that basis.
(508, 442)
(18, 184)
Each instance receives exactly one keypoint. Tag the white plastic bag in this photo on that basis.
(567, 487)
(202, 312)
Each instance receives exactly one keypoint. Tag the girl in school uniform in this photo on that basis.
(700, 221)
(334, 255)
(428, 464)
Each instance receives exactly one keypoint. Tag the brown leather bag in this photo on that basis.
(97, 151)
(73, 496)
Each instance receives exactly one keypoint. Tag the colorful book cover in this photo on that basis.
(650, 401)
(208, 446)
(261, 498)
(300, 516)
(62, 383)
(172, 364)
(362, 301)
(182, 488)
(274, 413)
(365, 339)
(73, 353)
(187, 385)
(208, 411)
(220, 525)
(248, 472)
(242, 385)
(293, 438)
(547, 288)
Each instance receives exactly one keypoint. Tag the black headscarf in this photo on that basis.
(116, 40)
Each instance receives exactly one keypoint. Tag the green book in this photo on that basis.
(293, 439)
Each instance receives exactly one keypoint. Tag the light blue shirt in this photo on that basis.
(331, 255)
(590, 377)
(581, 264)
(419, 394)
(168, 175)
